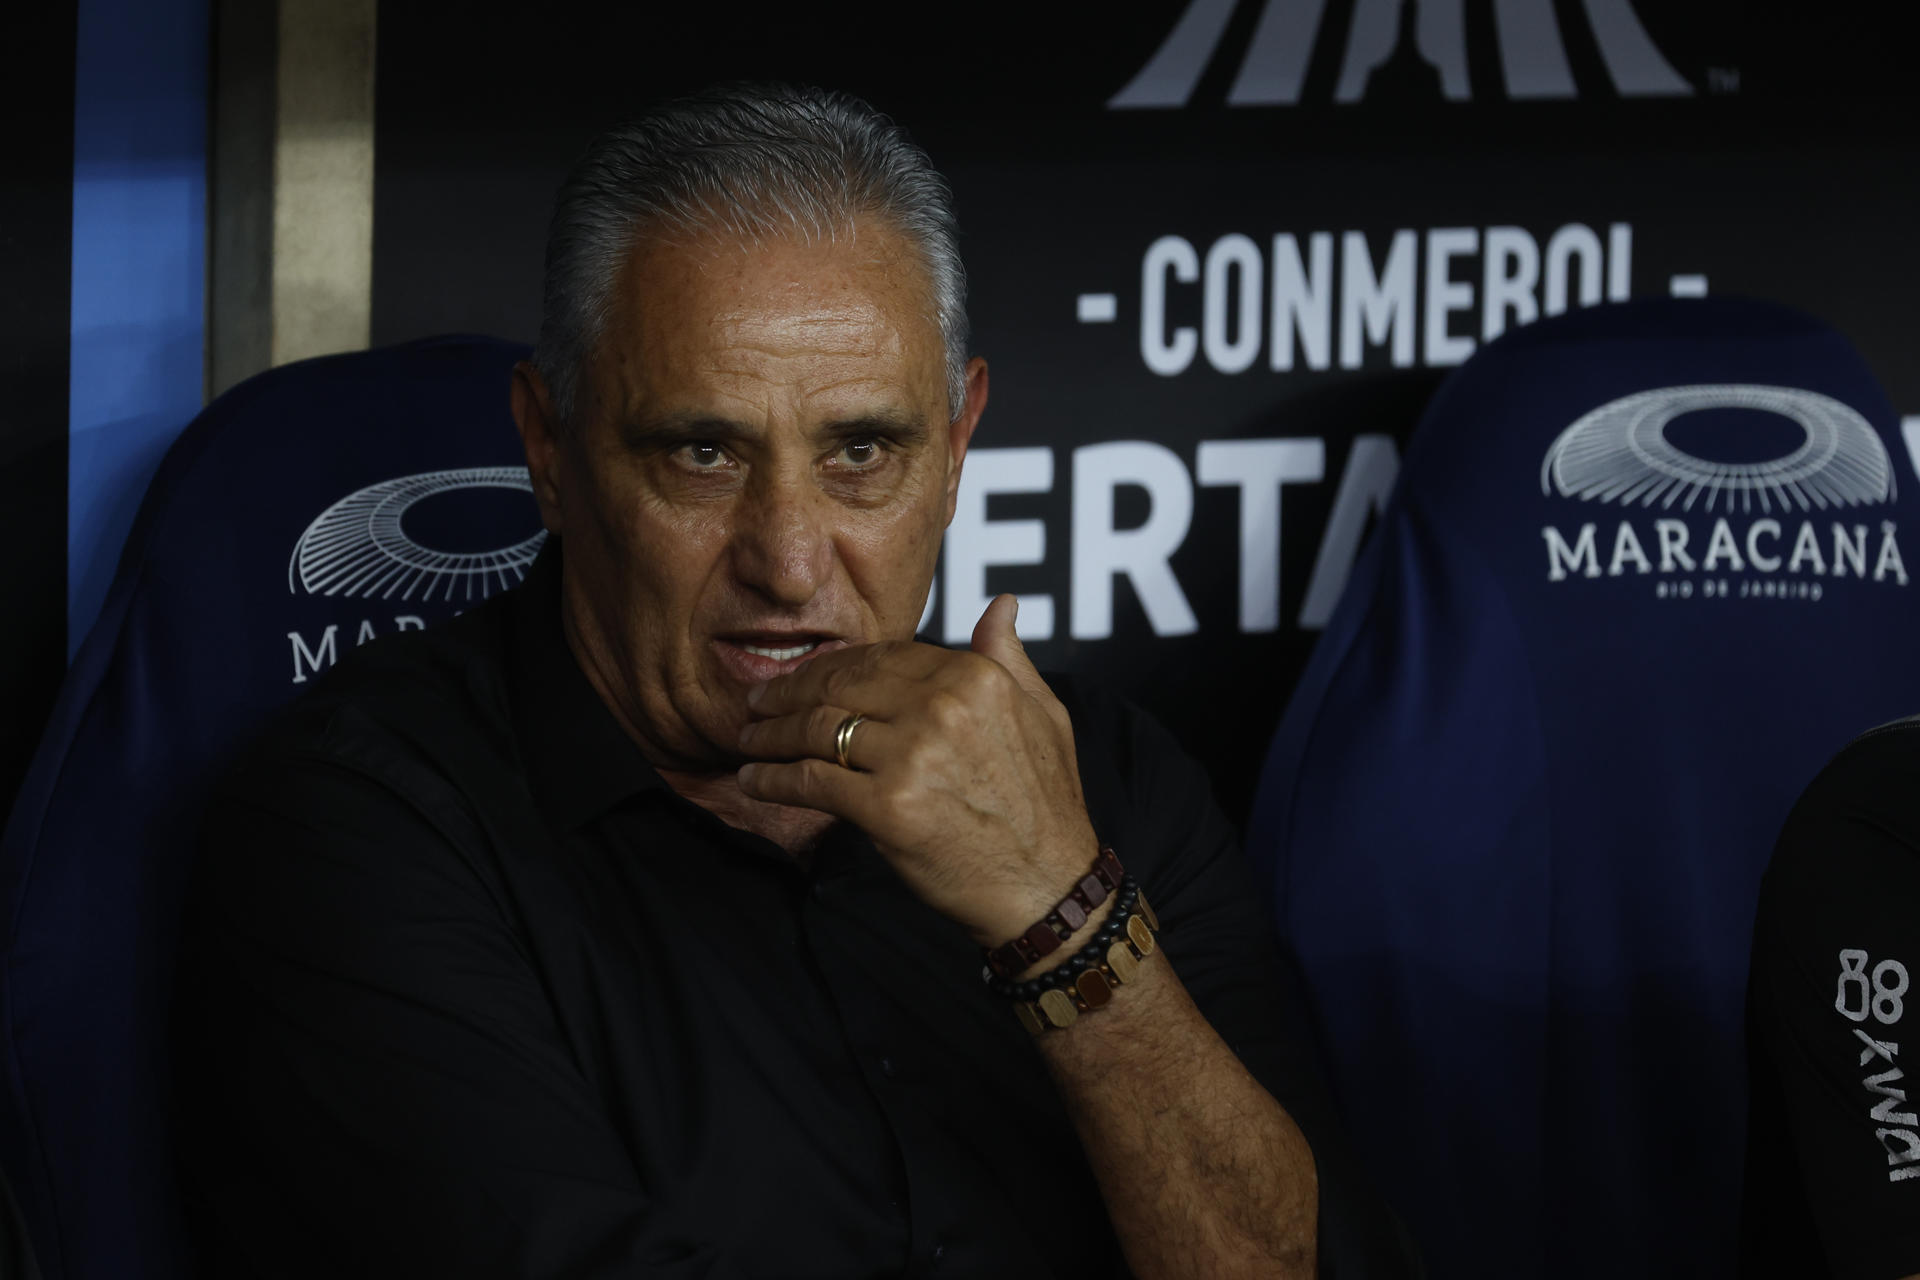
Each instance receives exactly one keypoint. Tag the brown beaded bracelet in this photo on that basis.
(1125, 899)
(1059, 924)
(1061, 1006)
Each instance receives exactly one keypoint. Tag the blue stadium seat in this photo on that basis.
(1642, 575)
(310, 509)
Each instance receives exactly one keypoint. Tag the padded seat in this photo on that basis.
(313, 508)
(1646, 569)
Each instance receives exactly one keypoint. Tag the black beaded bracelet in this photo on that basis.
(1063, 975)
(1059, 996)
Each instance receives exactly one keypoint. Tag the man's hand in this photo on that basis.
(964, 770)
(966, 779)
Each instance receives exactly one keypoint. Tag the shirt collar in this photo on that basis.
(579, 761)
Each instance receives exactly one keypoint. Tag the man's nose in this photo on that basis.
(783, 539)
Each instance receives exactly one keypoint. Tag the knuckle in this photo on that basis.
(898, 794)
(946, 710)
(917, 759)
(981, 676)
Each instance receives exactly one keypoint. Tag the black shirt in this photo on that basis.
(469, 990)
(1833, 1150)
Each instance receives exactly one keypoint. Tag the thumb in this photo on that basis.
(994, 637)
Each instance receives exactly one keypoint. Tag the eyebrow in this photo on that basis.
(896, 426)
(682, 428)
(675, 429)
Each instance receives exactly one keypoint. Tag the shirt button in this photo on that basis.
(887, 1068)
(939, 1252)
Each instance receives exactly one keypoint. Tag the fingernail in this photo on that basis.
(756, 694)
(746, 774)
(746, 733)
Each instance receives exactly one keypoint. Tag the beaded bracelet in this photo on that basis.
(1044, 937)
(1061, 1002)
(1071, 968)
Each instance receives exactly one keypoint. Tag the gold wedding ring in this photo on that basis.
(843, 739)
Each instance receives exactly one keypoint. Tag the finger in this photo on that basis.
(994, 637)
(808, 784)
(877, 680)
(814, 732)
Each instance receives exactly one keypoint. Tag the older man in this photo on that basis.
(633, 924)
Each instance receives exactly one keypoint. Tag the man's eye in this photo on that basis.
(860, 453)
(706, 457)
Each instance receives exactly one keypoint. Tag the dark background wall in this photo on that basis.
(1771, 153)
(1744, 148)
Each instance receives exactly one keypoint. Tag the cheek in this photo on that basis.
(680, 548)
(891, 557)
(664, 530)
(664, 551)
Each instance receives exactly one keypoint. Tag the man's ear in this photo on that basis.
(539, 436)
(960, 430)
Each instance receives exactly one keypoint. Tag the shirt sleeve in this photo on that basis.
(371, 1080)
(1836, 946)
(1216, 931)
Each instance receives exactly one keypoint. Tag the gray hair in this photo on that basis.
(754, 161)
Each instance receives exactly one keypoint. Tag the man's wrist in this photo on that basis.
(1072, 943)
(1089, 977)
(1044, 929)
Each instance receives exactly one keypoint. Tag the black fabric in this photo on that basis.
(468, 990)
(16, 1255)
(1833, 1154)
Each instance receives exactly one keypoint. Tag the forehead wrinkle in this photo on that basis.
(843, 384)
(779, 347)
(727, 263)
(774, 350)
(760, 331)
(748, 372)
(742, 324)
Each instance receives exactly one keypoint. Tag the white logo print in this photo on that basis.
(1883, 995)
(1273, 71)
(1777, 529)
(357, 548)
(1621, 453)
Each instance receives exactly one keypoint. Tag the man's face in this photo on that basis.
(762, 472)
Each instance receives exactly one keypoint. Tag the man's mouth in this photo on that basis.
(753, 657)
(781, 655)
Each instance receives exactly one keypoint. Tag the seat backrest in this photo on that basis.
(308, 510)
(1642, 575)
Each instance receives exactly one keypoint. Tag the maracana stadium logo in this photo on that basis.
(358, 548)
(1419, 46)
(1620, 452)
(1793, 509)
